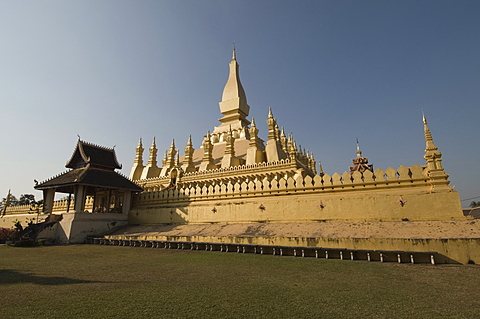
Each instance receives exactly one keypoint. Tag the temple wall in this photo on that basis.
(24, 217)
(391, 195)
(24, 214)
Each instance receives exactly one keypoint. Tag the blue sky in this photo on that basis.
(332, 71)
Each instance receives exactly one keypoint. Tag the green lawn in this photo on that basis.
(87, 281)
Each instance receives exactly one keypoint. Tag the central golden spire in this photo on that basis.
(234, 105)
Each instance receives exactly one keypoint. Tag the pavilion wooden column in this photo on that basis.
(79, 198)
(48, 198)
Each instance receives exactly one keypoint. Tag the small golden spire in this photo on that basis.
(189, 142)
(430, 145)
(270, 114)
(153, 143)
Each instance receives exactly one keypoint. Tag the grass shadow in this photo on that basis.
(11, 277)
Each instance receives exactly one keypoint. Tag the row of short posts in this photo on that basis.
(316, 252)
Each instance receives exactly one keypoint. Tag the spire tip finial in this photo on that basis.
(234, 54)
(270, 113)
(359, 152)
(424, 118)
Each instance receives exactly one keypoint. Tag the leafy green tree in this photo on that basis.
(26, 199)
(13, 201)
(474, 204)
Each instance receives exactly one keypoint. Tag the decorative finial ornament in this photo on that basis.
(234, 54)
(359, 152)
(270, 114)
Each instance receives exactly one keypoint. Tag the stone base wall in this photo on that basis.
(75, 228)
(461, 250)
(395, 204)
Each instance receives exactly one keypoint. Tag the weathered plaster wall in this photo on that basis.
(297, 207)
(405, 193)
(76, 227)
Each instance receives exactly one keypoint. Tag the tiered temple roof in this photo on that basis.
(91, 165)
(360, 163)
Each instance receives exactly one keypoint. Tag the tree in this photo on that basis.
(26, 199)
(474, 204)
(13, 201)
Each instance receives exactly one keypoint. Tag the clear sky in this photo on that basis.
(332, 71)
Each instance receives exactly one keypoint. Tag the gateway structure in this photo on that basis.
(236, 177)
